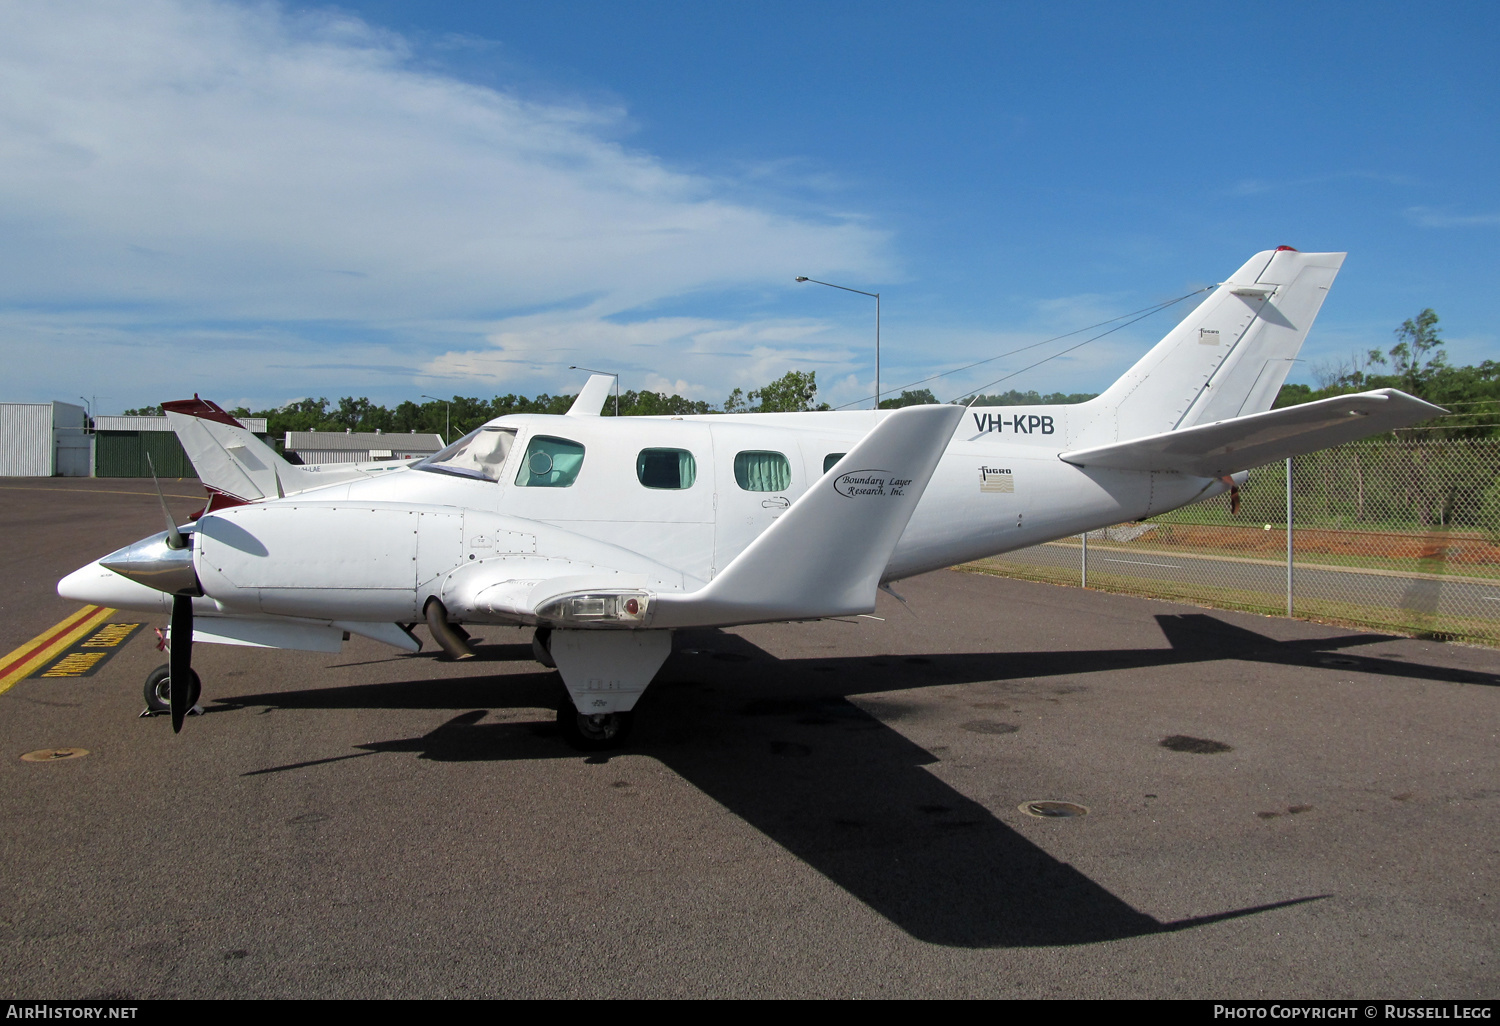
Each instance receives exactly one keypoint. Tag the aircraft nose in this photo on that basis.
(101, 587)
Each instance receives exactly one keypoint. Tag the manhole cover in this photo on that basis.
(54, 754)
(1053, 810)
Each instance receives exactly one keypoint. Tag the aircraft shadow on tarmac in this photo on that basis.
(779, 743)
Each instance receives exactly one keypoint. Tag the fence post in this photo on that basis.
(1085, 537)
(1288, 536)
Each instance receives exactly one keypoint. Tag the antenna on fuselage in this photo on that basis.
(612, 374)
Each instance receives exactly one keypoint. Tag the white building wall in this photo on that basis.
(26, 445)
(255, 424)
(72, 444)
(315, 457)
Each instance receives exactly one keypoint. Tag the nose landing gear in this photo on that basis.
(158, 691)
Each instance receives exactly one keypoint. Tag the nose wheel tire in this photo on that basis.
(158, 690)
(597, 733)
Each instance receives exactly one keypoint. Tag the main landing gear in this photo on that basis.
(587, 733)
(604, 672)
(597, 733)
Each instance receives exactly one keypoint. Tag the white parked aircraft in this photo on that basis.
(606, 535)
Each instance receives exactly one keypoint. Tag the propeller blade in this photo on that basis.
(175, 539)
(181, 662)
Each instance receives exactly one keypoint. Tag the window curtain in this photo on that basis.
(762, 471)
(550, 463)
(666, 468)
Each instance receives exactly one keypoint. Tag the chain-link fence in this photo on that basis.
(1401, 536)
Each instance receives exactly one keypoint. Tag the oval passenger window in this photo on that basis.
(666, 468)
(550, 463)
(762, 472)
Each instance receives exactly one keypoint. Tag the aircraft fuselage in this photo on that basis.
(999, 485)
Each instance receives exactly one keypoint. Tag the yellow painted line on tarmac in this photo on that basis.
(27, 659)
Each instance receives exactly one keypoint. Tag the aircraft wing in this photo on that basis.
(1228, 446)
(826, 555)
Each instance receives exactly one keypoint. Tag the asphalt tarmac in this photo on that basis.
(825, 809)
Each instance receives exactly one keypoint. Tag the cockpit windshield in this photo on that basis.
(479, 453)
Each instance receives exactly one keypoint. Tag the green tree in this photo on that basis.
(1416, 338)
(793, 392)
(655, 404)
(1292, 395)
(360, 414)
(408, 417)
(1034, 398)
(921, 397)
(1421, 368)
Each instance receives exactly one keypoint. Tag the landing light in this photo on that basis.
(622, 607)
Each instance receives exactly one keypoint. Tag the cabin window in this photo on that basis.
(762, 472)
(666, 468)
(481, 453)
(550, 463)
(831, 459)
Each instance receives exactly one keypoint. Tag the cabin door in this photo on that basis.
(756, 479)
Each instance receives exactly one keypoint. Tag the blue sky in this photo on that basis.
(261, 202)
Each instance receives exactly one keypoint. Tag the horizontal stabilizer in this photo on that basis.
(825, 556)
(1228, 446)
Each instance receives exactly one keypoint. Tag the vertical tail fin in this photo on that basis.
(1228, 358)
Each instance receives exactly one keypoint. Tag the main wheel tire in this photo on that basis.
(159, 690)
(541, 647)
(596, 733)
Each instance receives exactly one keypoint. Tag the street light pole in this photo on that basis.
(447, 420)
(876, 296)
(574, 366)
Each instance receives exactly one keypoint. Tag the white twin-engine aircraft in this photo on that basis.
(606, 535)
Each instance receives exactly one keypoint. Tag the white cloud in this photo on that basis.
(168, 162)
(1260, 186)
(1427, 217)
(707, 356)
